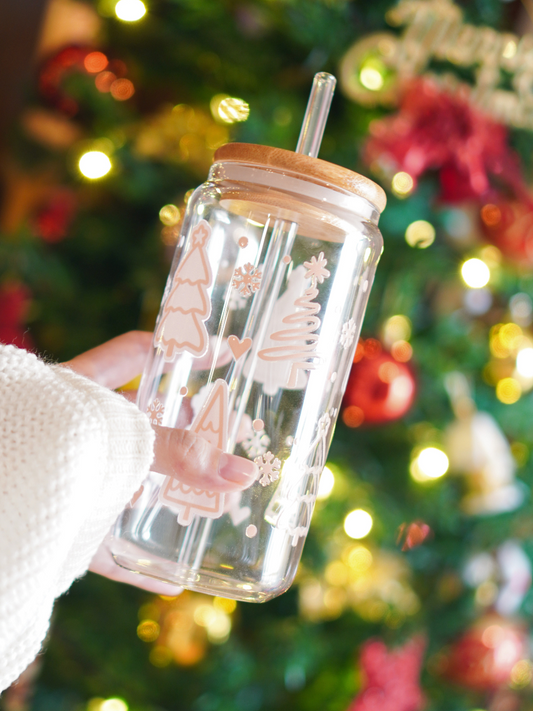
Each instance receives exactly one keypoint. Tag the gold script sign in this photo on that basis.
(500, 64)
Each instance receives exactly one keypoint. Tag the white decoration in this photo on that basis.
(269, 467)
(256, 443)
(291, 508)
(477, 447)
(347, 334)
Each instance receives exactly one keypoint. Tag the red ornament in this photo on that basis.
(53, 221)
(437, 130)
(380, 389)
(81, 59)
(14, 303)
(509, 226)
(484, 656)
(53, 71)
(391, 679)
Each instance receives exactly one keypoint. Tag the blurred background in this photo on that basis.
(414, 590)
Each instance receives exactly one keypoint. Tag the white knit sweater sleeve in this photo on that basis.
(72, 453)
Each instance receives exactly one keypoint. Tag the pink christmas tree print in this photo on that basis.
(182, 326)
(274, 373)
(211, 423)
(299, 340)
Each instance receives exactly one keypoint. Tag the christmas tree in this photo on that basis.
(414, 590)
(298, 342)
(187, 307)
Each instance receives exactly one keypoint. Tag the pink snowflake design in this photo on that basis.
(269, 467)
(246, 279)
(316, 268)
(155, 412)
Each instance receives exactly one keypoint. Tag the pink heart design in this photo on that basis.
(239, 348)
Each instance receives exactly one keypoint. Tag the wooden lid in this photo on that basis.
(305, 166)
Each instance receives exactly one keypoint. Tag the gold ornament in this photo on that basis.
(181, 134)
(181, 628)
(374, 69)
(375, 583)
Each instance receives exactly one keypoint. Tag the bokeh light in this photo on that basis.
(508, 391)
(353, 416)
(114, 705)
(104, 81)
(148, 631)
(371, 78)
(521, 674)
(225, 604)
(402, 184)
(401, 351)
(327, 482)
(491, 255)
(233, 110)
(492, 636)
(388, 372)
(94, 165)
(95, 62)
(130, 10)
(396, 328)
(491, 215)
(524, 362)
(122, 89)
(505, 339)
(420, 234)
(521, 308)
(430, 463)
(336, 573)
(475, 273)
(359, 558)
(358, 523)
(169, 215)
(215, 620)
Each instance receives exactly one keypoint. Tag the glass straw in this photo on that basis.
(316, 114)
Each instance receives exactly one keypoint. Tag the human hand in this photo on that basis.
(178, 453)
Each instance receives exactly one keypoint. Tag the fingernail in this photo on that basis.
(237, 469)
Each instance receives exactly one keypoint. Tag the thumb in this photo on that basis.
(190, 458)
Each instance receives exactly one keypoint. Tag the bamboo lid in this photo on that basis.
(305, 166)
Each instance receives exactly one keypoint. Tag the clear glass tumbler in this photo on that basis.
(252, 349)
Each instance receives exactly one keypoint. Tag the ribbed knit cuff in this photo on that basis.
(129, 453)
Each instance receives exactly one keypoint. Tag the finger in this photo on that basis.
(223, 356)
(104, 564)
(193, 460)
(116, 362)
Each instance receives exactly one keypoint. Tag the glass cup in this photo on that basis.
(252, 349)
